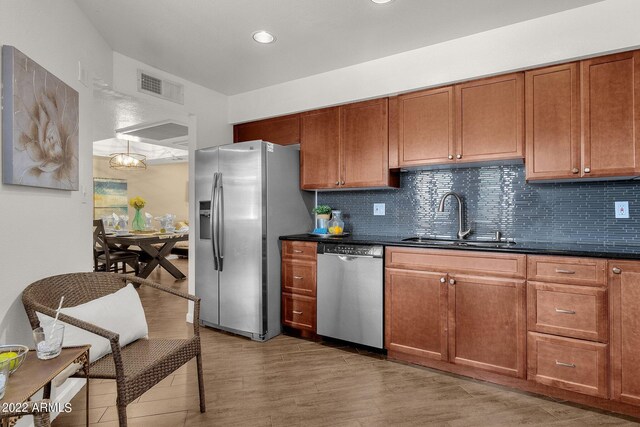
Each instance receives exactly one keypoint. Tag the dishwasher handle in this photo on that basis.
(348, 257)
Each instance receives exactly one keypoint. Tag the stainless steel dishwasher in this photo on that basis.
(350, 293)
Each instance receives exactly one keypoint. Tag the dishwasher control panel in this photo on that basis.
(350, 250)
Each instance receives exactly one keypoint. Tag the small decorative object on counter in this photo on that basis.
(336, 225)
(138, 222)
(322, 218)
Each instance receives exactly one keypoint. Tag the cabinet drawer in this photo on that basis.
(572, 311)
(567, 363)
(299, 277)
(573, 271)
(299, 250)
(299, 312)
(455, 261)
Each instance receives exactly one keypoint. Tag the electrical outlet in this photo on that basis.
(622, 209)
(378, 209)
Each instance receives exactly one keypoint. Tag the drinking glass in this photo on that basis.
(48, 340)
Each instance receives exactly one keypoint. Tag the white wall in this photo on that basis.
(47, 232)
(208, 125)
(608, 26)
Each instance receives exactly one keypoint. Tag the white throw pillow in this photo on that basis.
(120, 312)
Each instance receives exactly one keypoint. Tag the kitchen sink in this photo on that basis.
(430, 241)
(471, 243)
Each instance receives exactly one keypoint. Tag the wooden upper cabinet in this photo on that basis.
(346, 147)
(425, 130)
(283, 130)
(624, 289)
(611, 115)
(553, 122)
(490, 119)
(320, 149)
(364, 139)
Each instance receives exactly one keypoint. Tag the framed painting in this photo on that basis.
(109, 196)
(39, 125)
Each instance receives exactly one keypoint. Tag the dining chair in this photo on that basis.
(107, 257)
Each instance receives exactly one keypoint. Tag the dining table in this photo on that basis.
(156, 245)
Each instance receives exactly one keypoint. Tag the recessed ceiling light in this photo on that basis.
(264, 37)
(381, 1)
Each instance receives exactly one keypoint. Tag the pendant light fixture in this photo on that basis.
(128, 160)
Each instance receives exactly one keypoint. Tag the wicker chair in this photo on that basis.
(136, 367)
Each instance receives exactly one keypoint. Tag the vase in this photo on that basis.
(138, 222)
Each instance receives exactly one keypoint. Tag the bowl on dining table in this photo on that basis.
(122, 232)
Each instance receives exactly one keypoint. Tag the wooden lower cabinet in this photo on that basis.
(624, 288)
(567, 363)
(477, 321)
(567, 310)
(298, 283)
(571, 332)
(299, 312)
(416, 313)
(487, 324)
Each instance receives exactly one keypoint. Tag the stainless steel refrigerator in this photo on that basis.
(247, 195)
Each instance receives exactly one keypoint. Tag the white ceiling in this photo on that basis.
(114, 110)
(209, 41)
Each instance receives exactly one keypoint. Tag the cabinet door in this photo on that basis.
(283, 130)
(416, 314)
(611, 116)
(487, 324)
(320, 149)
(624, 294)
(426, 127)
(553, 122)
(490, 119)
(364, 138)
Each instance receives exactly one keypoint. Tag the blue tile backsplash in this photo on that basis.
(497, 199)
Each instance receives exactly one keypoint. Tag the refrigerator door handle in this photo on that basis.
(214, 219)
(220, 194)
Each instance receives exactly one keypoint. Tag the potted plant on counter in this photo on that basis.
(322, 211)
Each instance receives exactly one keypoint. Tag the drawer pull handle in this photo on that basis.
(561, 271)
(298, 277)
(297, 312)
(616, 270)
(566, 365)
(297, 251)
(563, 311)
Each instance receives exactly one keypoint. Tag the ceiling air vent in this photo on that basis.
(164, 89)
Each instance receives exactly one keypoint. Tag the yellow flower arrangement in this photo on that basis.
(137, 202)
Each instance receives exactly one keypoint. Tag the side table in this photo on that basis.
(36, 374)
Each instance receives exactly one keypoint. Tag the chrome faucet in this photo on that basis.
(461, 234)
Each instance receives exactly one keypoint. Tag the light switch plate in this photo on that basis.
(622, 209)
(378, 209)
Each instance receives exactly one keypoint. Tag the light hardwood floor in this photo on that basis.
(288, 381)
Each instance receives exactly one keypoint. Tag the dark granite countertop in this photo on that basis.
(604, 250)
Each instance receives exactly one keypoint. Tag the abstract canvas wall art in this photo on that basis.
(39, 125)
(109, 196)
